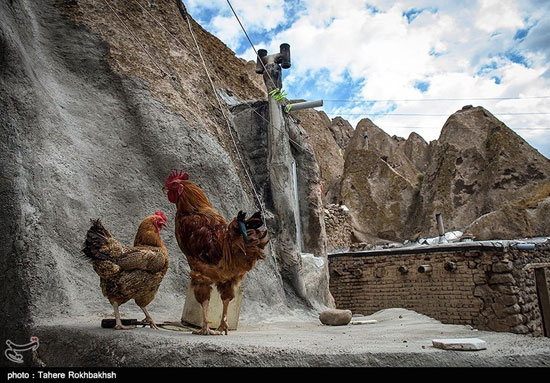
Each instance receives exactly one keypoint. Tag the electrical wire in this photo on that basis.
(427, 114)
(225, 117)
(439, 99)
(252, 45)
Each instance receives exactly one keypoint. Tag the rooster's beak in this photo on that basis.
(164, 189)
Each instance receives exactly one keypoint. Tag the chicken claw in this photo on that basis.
(148, 319)
(223, 328)
(151, 323)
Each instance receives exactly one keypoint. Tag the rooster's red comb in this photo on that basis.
(176, 176)
(160, 214)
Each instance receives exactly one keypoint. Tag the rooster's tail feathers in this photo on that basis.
(98, 239)
(257, 241)
(255, 221)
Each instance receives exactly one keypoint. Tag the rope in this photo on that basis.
(228, 124)
(252, 45)
(162, 26)
(164, 73)
(183, 45)
(225, 117)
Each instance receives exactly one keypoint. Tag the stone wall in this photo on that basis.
(338, 227)
(489, 289)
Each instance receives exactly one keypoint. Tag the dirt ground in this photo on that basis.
(399, 338)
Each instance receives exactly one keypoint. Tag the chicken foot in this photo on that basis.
(205, 330)
(148, 318)
(119, 325)
(223, 328)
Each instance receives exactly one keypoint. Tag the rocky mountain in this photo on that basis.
(479, 166)
(480, 175)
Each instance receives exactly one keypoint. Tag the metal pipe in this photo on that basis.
(259, 65)
(440, 228)
(440, 224)
(425, 269)
(305, 105)
(403, 269)
(284, 50)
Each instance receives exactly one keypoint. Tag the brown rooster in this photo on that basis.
(218, 252)
(129, 272)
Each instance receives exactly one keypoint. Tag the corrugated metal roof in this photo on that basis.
(493, 245)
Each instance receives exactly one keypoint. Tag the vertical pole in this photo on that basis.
(440, 228)
(544, 299)
(297, 207)
(281, 181)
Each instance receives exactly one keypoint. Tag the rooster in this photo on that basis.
(129, 272)
(218, 252)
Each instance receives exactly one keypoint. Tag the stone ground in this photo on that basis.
(400, 338)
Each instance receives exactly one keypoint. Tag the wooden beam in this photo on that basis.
(544, 299)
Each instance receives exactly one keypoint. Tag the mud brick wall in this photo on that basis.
(338, 227)
(487, 289)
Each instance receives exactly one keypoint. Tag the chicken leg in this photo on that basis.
(205, 330)
(119, 325)
(223, 328)
(148, 318)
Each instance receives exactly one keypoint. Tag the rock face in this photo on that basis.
(341, 131)
(328, 153)
(480, 175)
(479, 166)
(91, 125)
(377, 185)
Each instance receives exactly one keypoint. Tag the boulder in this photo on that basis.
(335, 317)
(341, 131)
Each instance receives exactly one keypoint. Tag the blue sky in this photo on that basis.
(418, 60)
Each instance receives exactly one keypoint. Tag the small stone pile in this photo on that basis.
(338, 226)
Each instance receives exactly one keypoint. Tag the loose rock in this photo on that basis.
(335, 317)
(467, 344)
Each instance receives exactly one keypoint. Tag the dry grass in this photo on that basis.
(531, 200)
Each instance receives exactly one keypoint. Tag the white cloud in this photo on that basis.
(360, 49)
(494, 15)
(255, 15)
